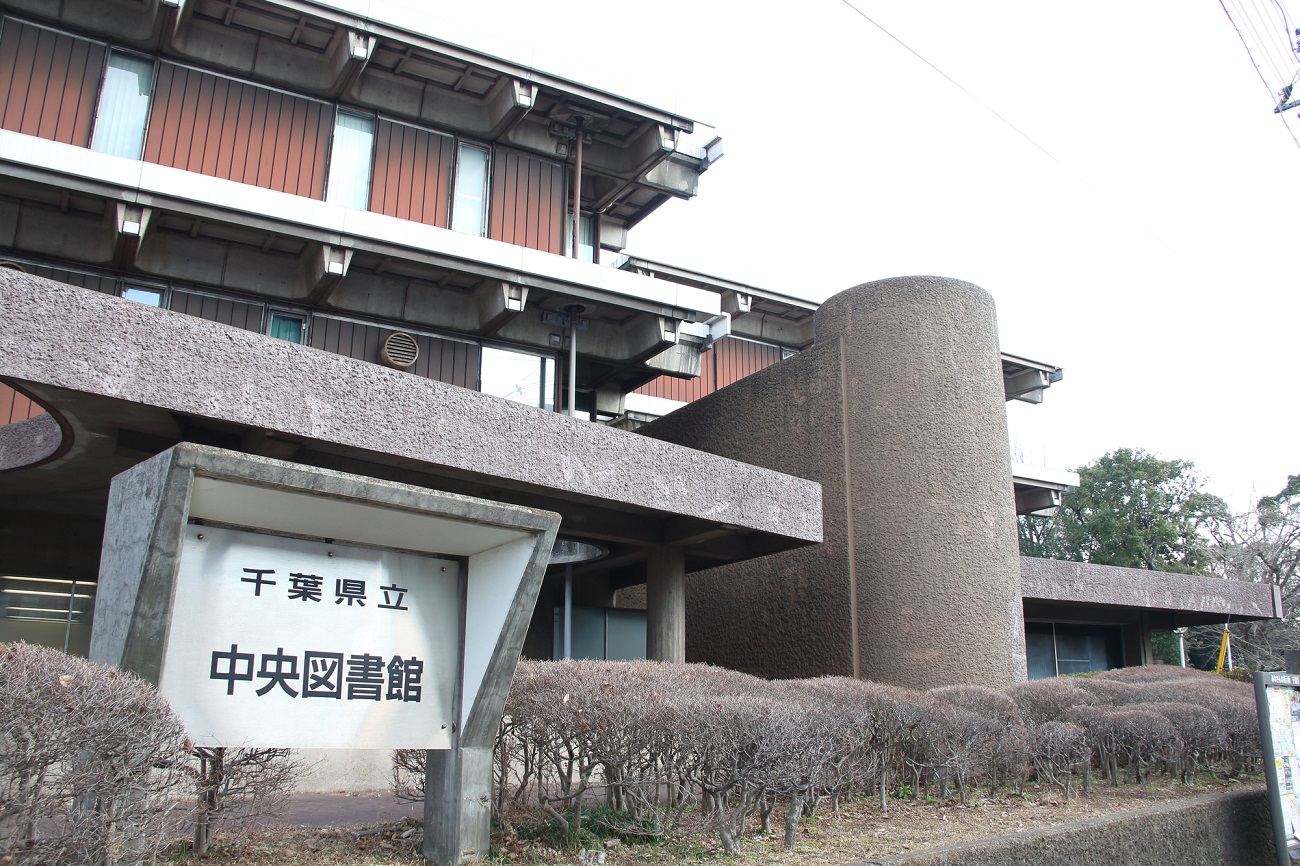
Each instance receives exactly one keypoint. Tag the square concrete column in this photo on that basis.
(457, 804)
(665, 584)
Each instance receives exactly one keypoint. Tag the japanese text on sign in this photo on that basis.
(292, 642)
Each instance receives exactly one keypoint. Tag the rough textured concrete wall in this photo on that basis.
(1219, 830)
(898, 411)
(1086, 583)
(57, 336)
(29, 442)
(785, 615)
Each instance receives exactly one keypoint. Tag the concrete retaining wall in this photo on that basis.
(1217, 830)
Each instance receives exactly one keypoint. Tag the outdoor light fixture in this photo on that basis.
(567, 551)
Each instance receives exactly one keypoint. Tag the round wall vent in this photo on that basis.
(400, 350)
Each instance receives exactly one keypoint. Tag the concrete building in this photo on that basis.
(304, 230)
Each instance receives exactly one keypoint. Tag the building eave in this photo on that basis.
(1187, 599)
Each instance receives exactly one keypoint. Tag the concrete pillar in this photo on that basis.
(931, 523)
(665, 639)
(898, 411)
(457, 804)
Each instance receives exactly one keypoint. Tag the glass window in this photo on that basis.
(123, 106)
(1055, 649)
(149, 297)
(350, 159)
(586, 237)
(518, 376)
(469, 207)
(286, 327)
(1040, 650)
(47, 611)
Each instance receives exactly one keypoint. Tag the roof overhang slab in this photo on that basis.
(1191, 599)
(98, 361)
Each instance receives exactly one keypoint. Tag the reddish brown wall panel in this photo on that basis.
(527, 206)
(95, 282)
(48, 83)
(728, 360)
(230, 129)
(449, 361)
(413, 177)
(239, 314)
(735, 359)
(15, 407)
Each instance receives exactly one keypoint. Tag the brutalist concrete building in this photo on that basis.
(310, 231)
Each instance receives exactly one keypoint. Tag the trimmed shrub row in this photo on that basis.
(657, 741)
(95, 767)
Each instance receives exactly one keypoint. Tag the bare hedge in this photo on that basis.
(91, 760)
(666, 744)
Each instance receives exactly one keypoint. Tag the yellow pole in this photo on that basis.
(1223, 651)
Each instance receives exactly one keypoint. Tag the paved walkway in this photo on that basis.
(324, 810)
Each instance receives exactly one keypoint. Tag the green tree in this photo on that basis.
(1131, 509)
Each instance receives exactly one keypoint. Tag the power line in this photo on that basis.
(954, 83)
(1151, 234)
(1278, 59)
(1271, 92)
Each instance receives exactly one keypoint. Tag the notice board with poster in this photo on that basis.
(1277, 701)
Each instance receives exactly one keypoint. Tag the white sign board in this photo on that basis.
(286, 642)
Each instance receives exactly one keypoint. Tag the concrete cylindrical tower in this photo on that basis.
(932, 539)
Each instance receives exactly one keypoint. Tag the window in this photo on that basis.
(350, 158)
(47, 611)
(286, 327)
(469, 206)
(518, 376)
(123, 106)
(586, 237)
(606, 634)
(1054, 649)
(148, 297)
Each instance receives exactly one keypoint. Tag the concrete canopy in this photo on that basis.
(1054, 589)
(125, 381)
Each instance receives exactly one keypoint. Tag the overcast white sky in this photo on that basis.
(1153, 254)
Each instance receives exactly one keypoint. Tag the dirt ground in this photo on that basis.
(856, 832)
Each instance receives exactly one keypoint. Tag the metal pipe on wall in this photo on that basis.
(574, 243)
(573, 363)
(568, 610)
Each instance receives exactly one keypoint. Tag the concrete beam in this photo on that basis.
(348, 56)
(675, 177)
(679, 360)
(648, 336)
(1184, 594)
(508, 103)
(773, 329)
(651, 146)
(498, 302)
(173, 17)
(1026, 385)
(130, 222)
(323, 267)
(262, 444)
(736, 303)
(1031, 499)
(666, 604)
